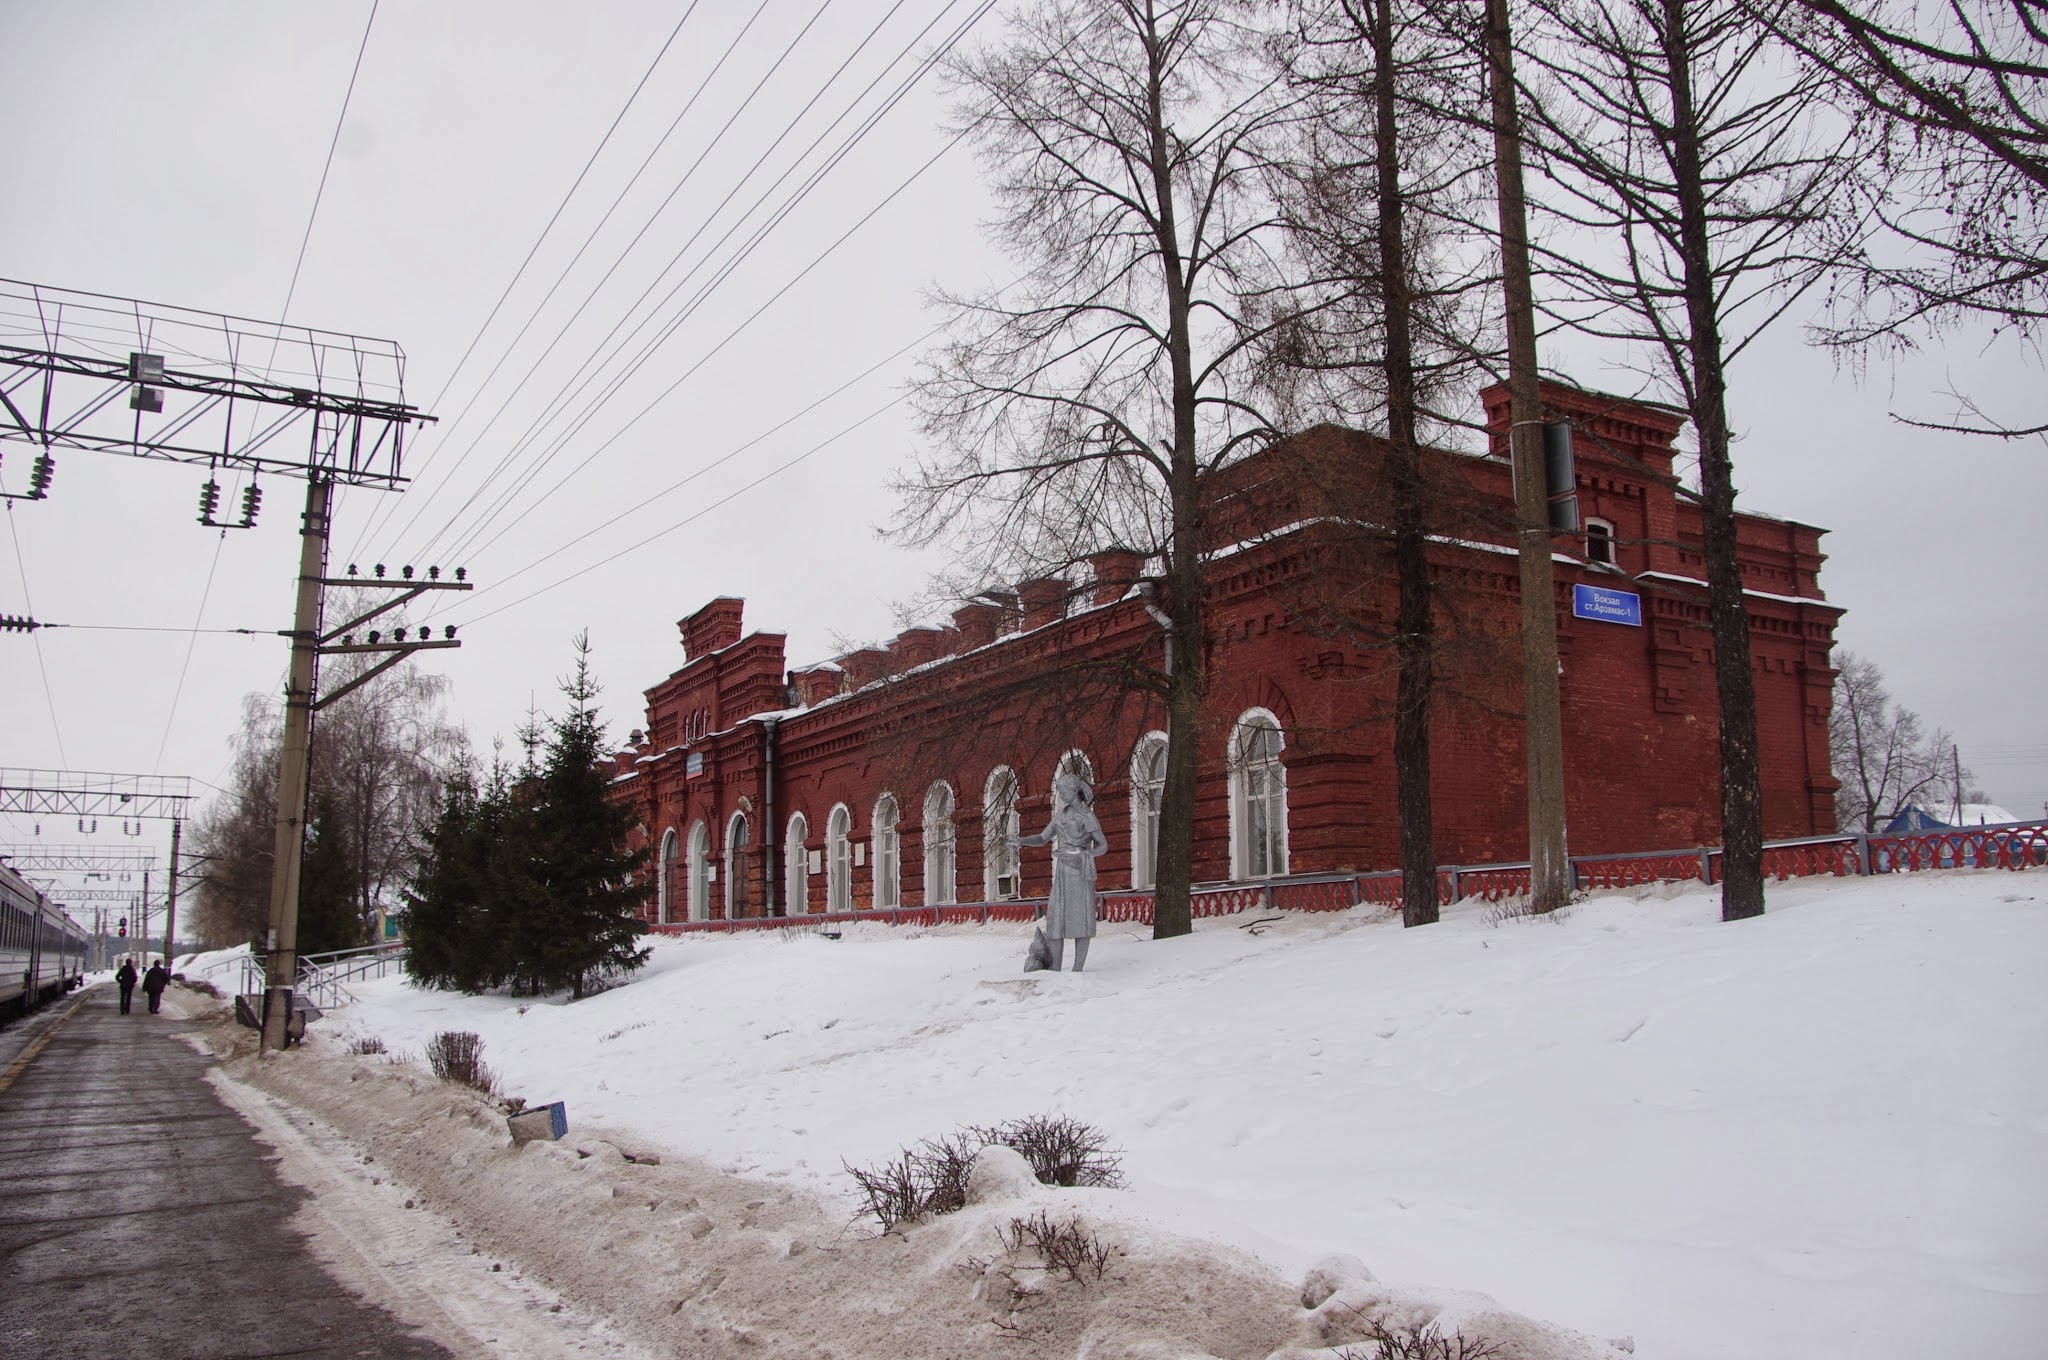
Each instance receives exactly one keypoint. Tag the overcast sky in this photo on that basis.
(174, 153)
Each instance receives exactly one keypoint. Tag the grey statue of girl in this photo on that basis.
(1076, 839)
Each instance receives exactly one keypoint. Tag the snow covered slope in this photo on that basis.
(1820, 1133)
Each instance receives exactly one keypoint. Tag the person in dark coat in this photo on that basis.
(125, 980)
(153, 983)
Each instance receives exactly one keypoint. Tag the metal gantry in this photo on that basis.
(222, 391)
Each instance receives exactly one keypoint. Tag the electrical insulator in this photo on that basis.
(449, 631)
(209, 502)
(17, 623)
(380, 571)
(406, 572)
(252, 501)
(462, 573)
(433, 573)
(39, 477)
(400, 635)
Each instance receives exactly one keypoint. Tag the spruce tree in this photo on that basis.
(587, 887)
(444, 907)
(328, 915)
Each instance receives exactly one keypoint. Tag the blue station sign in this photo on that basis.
(1607, 606)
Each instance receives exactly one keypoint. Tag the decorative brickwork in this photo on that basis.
(1025, 676)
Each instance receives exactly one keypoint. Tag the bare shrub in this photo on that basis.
(931, 1178)
(893, 1192)
(1062, 1150)
(200, 985)
(366, 1045)
(1065, 1247)
(458, 1056)
(1418, 1341)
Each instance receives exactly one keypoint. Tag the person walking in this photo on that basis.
(153, 983)
(125, 980)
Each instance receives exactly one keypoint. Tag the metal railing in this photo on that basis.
(323, 978)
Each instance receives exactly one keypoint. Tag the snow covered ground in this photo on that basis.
(1820, 1133)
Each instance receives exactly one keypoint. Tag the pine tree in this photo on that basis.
(587, 887)
(328, 916)
(444, 907)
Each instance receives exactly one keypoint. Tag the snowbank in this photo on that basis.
(1823, 1132)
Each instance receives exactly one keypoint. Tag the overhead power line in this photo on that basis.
(834, 157)
(420, 508)
(328, 164)
(383, 508)
(690, 519)
(724, 271)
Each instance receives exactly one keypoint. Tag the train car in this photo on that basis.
(42, 950)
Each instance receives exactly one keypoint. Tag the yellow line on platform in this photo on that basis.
(36, 1046)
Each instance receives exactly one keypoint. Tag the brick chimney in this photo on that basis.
(979, 623)
(817, 684)
(1045, 600)
(1116, 571)
(866, 665)
(915, 646)
(714, 626)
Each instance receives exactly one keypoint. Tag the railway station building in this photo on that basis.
(894, 775)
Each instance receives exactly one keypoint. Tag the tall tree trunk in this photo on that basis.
(1172, 911)
(1415, 625)
(1742, 821)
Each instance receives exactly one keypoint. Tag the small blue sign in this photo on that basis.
(693, 764)
(1607, 606)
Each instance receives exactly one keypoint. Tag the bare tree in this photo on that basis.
(1958, 93)
(378, 760)
(1382, 329)
(1087, 405)
(1696, 175)
(1884, 757)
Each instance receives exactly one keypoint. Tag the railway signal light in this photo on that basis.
(124, 927)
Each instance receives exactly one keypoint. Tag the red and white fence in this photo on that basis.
(2013, 845)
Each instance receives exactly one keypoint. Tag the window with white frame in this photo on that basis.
(664, 897)
(700, 872)
(1075, 762)
(888, 852)
(939, 884)
(839, 860)
(796, 867)
(1258, 798)
(1600, 541)
(999, 826)
(737, 852)
(1148, 788)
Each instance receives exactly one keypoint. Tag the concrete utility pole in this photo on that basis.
(171, 896)
(282, 970)
(1549, 868)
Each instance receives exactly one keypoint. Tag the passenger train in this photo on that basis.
(42, 950)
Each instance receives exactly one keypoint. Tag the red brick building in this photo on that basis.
(893, 775)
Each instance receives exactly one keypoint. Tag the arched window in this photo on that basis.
(1258, 798)
(839, 860)
(1075, 762)
(999, 824)
(671, 854)
(700, 872)
(796, 867)
(938, 844)
(888, 852)
(1600, 542)
(736, 857)
(1148, 787)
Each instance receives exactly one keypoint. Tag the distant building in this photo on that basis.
(1943, 816)
(894, 775)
